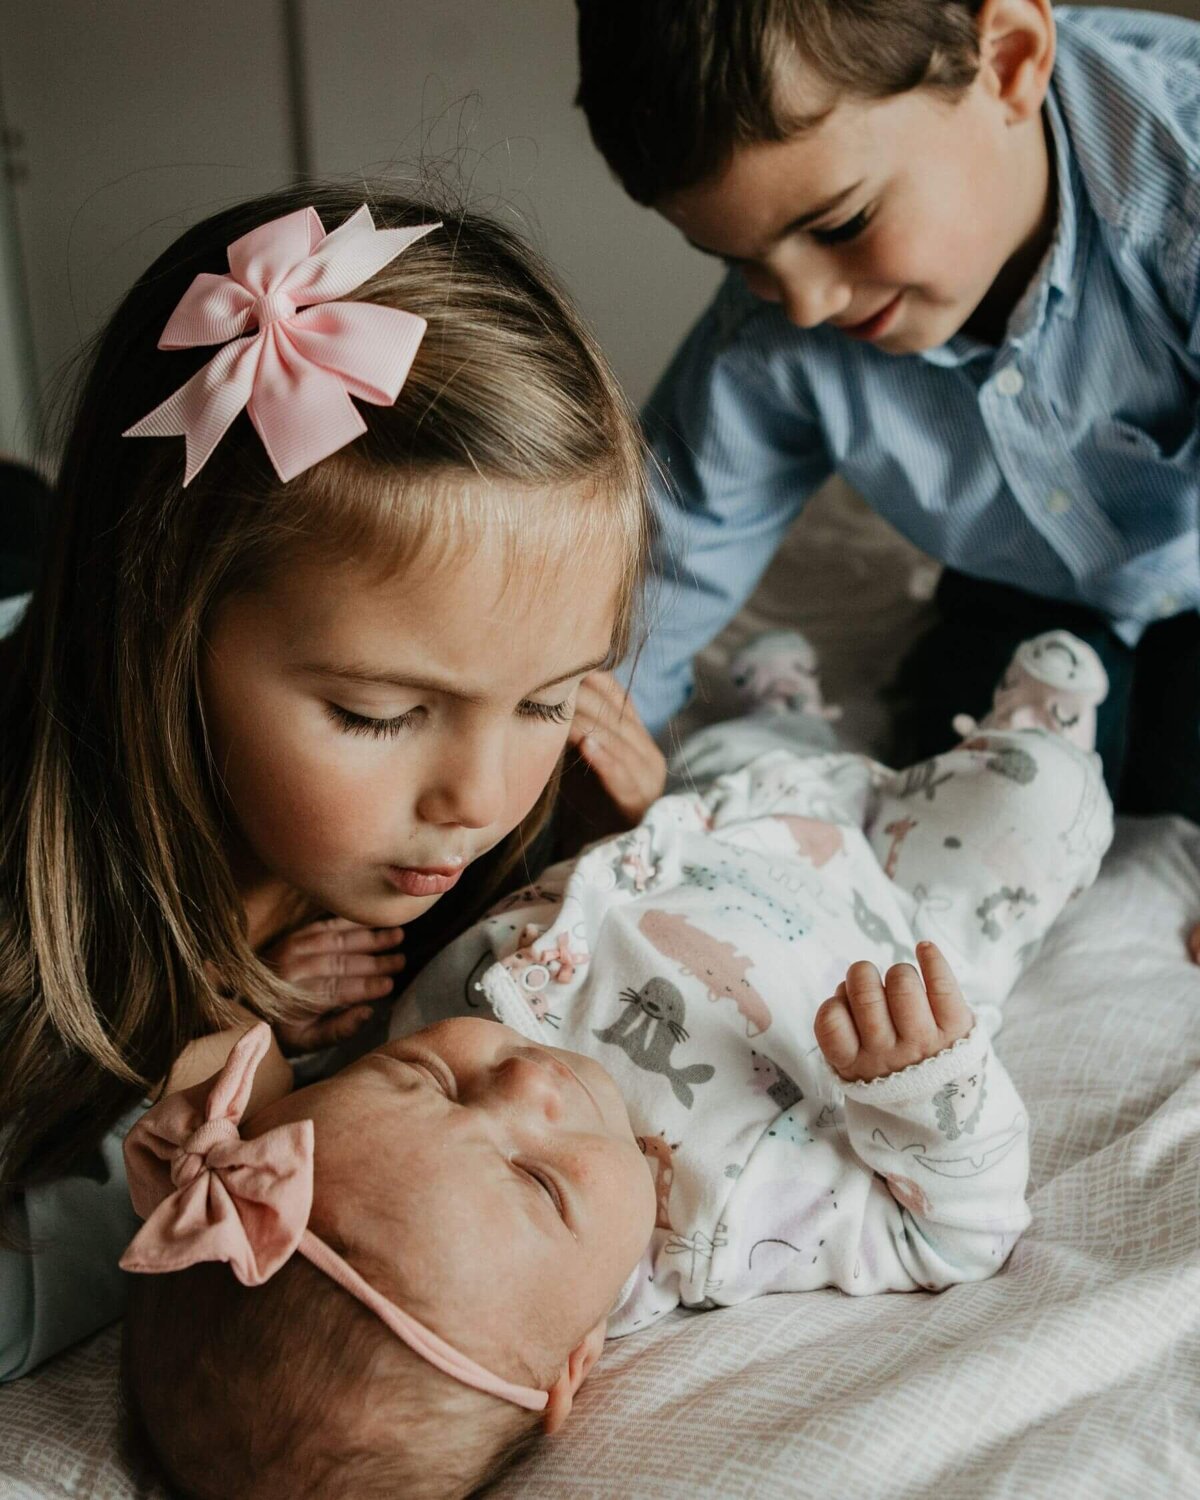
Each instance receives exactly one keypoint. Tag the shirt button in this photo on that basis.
(1010, 381)
(1058, 502)
(1168, 605)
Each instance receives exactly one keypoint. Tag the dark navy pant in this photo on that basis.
(1148, 729)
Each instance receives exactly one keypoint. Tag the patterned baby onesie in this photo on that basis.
(689, 957)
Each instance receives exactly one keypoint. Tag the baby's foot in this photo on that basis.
(1054, 681)
(778, 671)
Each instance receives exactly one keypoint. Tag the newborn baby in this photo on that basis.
(739, 1112)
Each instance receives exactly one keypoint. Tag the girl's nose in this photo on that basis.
(466, 790)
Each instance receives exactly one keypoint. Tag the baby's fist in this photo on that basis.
(872, 1027)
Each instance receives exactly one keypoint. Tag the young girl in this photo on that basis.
(285, 682)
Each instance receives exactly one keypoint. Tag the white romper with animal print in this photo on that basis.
(690, 956)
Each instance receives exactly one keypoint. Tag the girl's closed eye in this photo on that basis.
(837, 234)
(388, 728)
(547, 713)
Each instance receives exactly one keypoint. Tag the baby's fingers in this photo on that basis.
(869, 1006)
(950, 1011)
(837, 1036)
(909, 1007)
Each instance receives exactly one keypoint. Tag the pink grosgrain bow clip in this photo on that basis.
(309, 353)
(207, 1194)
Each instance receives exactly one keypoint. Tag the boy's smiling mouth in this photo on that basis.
(877, 324)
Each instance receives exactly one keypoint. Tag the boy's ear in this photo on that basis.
(576, 1370)
(1016, 52)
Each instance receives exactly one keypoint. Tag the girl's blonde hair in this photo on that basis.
(122, 935)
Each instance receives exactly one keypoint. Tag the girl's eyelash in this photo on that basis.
(549, 713)
(837, 234)
(354, 723)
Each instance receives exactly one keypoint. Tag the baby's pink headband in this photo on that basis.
(207, 1194)
(309, 353)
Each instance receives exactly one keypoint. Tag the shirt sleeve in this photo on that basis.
(919, 1187)
(736, 450)
(948, 1144)
(67, 1284)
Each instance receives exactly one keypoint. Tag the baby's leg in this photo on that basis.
(991, 840)
(777, 679)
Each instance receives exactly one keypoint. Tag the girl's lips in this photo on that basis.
(429, 882)
(878, 324)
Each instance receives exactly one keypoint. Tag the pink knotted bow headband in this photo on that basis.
(309, 353)
(208, 1194)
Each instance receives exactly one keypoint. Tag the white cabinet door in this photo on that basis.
(132, 119)
(480, 93)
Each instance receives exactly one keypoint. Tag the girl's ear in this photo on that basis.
(576, 1370)
(1016, 52)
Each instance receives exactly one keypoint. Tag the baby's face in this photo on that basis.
(493, 1187)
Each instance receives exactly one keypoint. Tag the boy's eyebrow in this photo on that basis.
(802, 221)
(361, 672)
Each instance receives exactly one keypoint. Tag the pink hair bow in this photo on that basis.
(309, 353)
(207, 1194)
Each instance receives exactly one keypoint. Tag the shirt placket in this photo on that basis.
(1032, 454)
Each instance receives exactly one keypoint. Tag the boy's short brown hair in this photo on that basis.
(671, 87)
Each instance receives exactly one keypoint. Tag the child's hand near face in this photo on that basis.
(871, 1027)
(340, 964)
(617, 746)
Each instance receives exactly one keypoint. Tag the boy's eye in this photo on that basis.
(837, 234)
(548, 713)
(354, 723)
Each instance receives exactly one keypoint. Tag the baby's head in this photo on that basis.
(492, 1189)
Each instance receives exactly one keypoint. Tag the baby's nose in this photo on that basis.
(530, 1084)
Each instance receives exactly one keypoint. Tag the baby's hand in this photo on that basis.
(871, 1027)
(341, 965)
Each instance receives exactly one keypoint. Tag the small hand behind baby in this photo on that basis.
(612, 739)
(341, 965)
(871, 1027)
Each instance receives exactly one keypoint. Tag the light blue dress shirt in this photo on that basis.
(1066, 462)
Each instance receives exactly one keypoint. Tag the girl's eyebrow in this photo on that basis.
(377, 676)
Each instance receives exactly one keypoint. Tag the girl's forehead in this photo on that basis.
(467, 621)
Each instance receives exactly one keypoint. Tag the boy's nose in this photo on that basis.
(812, 299)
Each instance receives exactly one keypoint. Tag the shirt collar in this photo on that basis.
(1056, 283)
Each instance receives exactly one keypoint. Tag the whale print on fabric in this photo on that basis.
(717, 965)
(779, 918)
(649, 1030)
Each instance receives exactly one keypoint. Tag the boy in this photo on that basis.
(965, 249)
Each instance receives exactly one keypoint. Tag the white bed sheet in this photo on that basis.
(1074, 1372)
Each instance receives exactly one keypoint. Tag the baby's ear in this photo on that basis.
(576, 1370)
